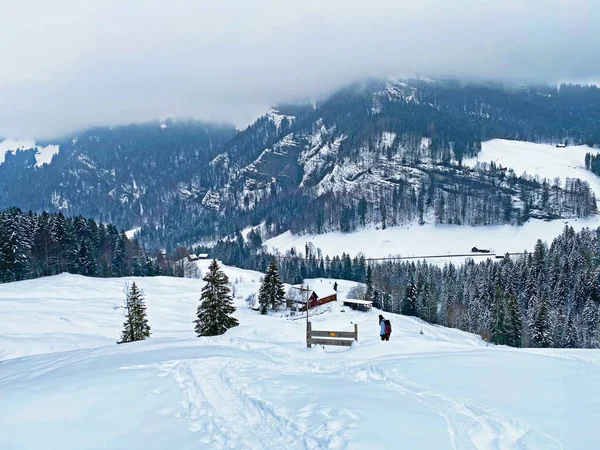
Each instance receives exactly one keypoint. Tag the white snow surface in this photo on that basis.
(64, 383)
(43, 156)
(543, 160)
(133, 232)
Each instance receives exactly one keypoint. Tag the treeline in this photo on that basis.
(547, 298)
(592, 163)
(35, 245)
(485, 195)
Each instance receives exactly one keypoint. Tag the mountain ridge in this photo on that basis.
(386, 152)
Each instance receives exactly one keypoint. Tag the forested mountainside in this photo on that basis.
(382, 152)
(35, 245)
(124, 175)
(547, 298)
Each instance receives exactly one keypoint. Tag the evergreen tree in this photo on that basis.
(377, 299)
(541, 335)
(369, 283)
(271, 293)
(135, 327)
(514, 323)
(571, 338)
(499, 319)
(409, 305)
(216, 308)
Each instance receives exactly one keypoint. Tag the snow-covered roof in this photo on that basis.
(358, 302)
(203, 255)
(323, 288)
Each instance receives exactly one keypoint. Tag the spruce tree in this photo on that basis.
(409, 305)
(216, 304)
(135, 327)
(571, 337)
(369, 283)
(514, 322)
(271, 293)
(541, 335)
(499, 319)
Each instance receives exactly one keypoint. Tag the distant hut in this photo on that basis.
(358, 305)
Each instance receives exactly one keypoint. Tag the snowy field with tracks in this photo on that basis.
(65, 384)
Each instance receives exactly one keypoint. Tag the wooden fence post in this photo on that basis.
(308, 329)
(356, 332)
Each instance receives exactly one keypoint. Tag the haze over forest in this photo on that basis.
(68, 64)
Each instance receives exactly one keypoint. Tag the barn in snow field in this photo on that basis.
(320, 293)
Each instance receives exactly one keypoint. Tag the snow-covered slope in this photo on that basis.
(43, 155)
(543, 160)
(258, 387)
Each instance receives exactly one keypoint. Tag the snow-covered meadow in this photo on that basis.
(543, 160)
(64, 383)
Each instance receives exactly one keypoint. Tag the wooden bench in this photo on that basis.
(340, 338)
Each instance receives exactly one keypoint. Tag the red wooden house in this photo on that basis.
(321, 292)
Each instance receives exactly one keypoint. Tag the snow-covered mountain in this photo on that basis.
(64, 383)
(381, 153)
(538, 160)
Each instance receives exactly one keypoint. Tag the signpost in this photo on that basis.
(307, 290)
(314, 337)
(341, 338)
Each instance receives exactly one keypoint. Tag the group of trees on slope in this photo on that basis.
(214, 315)
(547, 298)
(34, 245)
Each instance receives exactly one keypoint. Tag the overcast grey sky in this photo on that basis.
(66, 64)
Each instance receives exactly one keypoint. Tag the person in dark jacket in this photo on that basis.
(385, 336)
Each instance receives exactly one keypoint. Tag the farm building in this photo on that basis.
(319, 293)
(358, 305)
(194, 257)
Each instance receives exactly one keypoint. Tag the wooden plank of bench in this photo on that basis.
(340, 342)
(332, 334)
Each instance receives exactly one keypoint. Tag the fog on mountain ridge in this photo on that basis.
(68, 65)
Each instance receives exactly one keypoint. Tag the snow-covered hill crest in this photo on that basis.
(258, 387)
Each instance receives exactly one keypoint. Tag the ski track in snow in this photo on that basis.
(216, 405)
(225, 415)
(258, 387)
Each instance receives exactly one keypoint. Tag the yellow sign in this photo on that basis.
(332, 333)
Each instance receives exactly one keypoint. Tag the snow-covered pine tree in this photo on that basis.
(541, 335)
(271, 293)
(514, 322)
(216, 308)
(409, 307)
(591, 323)
(135, 327)
(369, 283)
(499, 318)
(571, 339)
